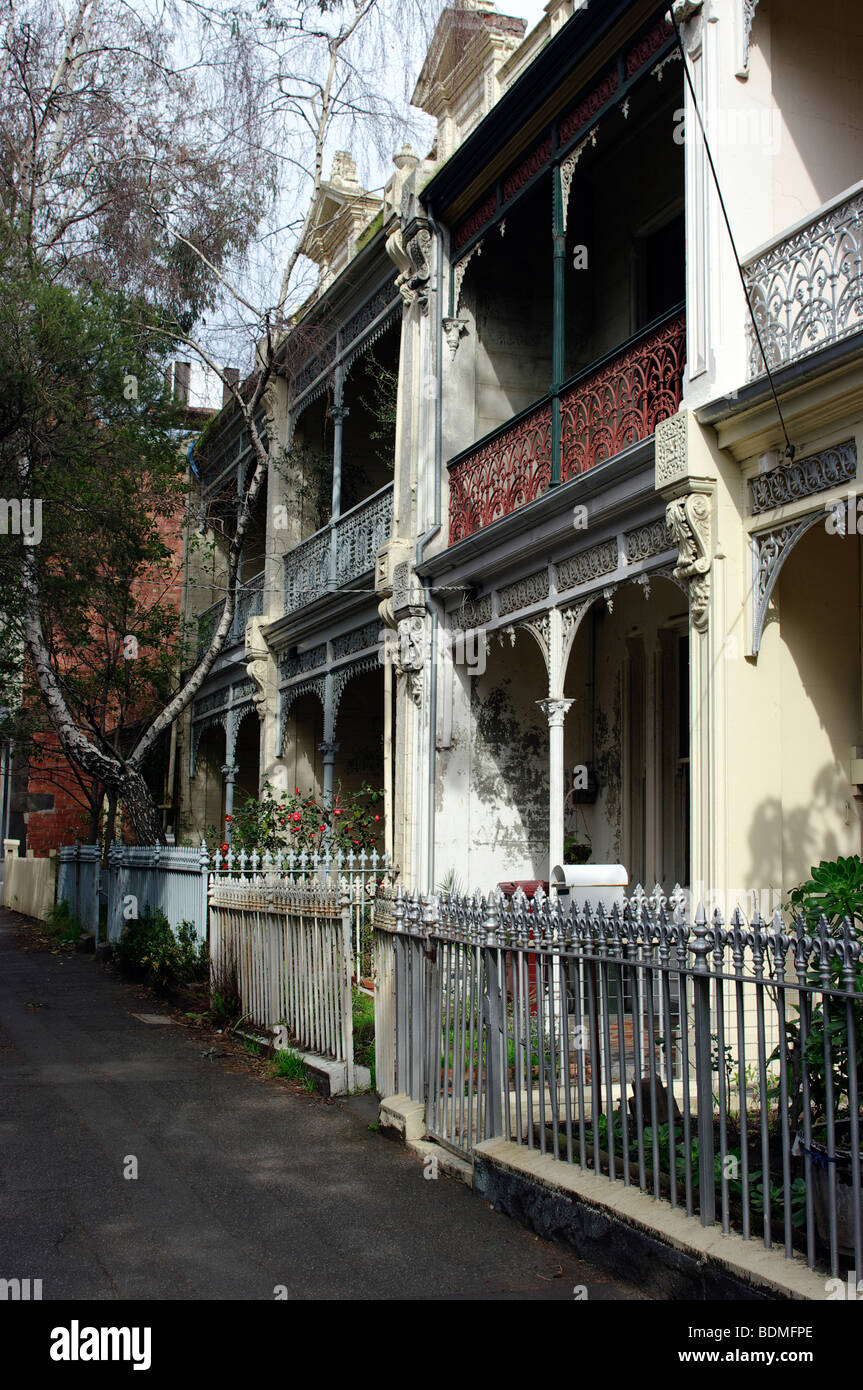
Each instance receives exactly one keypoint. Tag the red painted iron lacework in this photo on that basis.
(622, 402)
(475, 222)
(535, 161)
(649, 44)
(504, 473)
(601, 414)
(594, 100)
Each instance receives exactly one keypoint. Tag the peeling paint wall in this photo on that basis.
(492, 788)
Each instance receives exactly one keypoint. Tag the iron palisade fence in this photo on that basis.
(715, 1066)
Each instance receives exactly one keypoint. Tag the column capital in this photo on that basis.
(329, 749)
(229, 771)
(555, 711)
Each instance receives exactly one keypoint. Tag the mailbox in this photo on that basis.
(593, 883)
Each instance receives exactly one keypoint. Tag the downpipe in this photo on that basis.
(433, 604)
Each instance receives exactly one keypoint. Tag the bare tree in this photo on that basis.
(145, 149)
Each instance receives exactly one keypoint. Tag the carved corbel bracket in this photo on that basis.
(690, 520)
(454, 330)
(257, 663)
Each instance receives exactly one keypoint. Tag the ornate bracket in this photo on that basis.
(689, 518)
(770, 550)
(747, 15)
(454, 330)
(458, 274)
(410, 654)
(567, 170)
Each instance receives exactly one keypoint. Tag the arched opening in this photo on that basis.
(801, 718)
(247, 759)
(207, 809)
(360, 734)
(304, 733)
(492, 793)
(626, 737)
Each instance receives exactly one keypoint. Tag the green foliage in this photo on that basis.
(87, 434)
(225, 1004)
(363, 1009)
(62, 925)
(303, 822)
(835, 890)
(290, 1065)
(149, 949)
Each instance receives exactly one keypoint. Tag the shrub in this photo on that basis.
(303, 822)
(62, 924)
(149, 949)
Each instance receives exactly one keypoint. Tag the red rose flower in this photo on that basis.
(298, 815)
(224, 849)
(227, 818)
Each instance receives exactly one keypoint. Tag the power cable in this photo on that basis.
(789, 447)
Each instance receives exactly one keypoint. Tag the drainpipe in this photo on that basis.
(432, 603)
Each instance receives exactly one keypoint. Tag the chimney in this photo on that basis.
(182, 378)
(232, 376)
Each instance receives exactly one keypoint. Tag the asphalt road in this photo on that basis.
(241, 1186)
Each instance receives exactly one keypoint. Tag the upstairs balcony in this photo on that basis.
(340, 554)
(250, 604)
(610, 405)
(806, 288)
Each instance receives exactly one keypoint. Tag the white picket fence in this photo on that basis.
(288, 947)
(175, 880)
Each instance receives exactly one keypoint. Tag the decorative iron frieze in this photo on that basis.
(523, 593)
(475, 223)
(357, 641)
(807, 290)
(645, 541)
(537, 160)
(297, 664)
(621, 403)
(510, 469)
(647, 46)
(588, 106)
(472, 613)
(588, 565)
(790, 483)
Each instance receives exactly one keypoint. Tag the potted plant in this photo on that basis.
(834, 892)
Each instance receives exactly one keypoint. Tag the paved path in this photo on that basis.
(242, 1185)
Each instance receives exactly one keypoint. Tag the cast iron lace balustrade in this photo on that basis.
(357, 537)
(611, 405)
(250, 601)
(621, 401)
(806, 290)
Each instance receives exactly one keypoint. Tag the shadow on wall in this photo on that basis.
(784, 844)
(510, 758)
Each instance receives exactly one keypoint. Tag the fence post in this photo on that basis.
(203, 922)
(703, 1068)
(494, 1025)
(346, 992)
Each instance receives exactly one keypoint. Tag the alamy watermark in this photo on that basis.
(21, 517)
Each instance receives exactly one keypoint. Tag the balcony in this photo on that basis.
(250, 604)
(341, 553)
(612, 404)
(806, 290)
